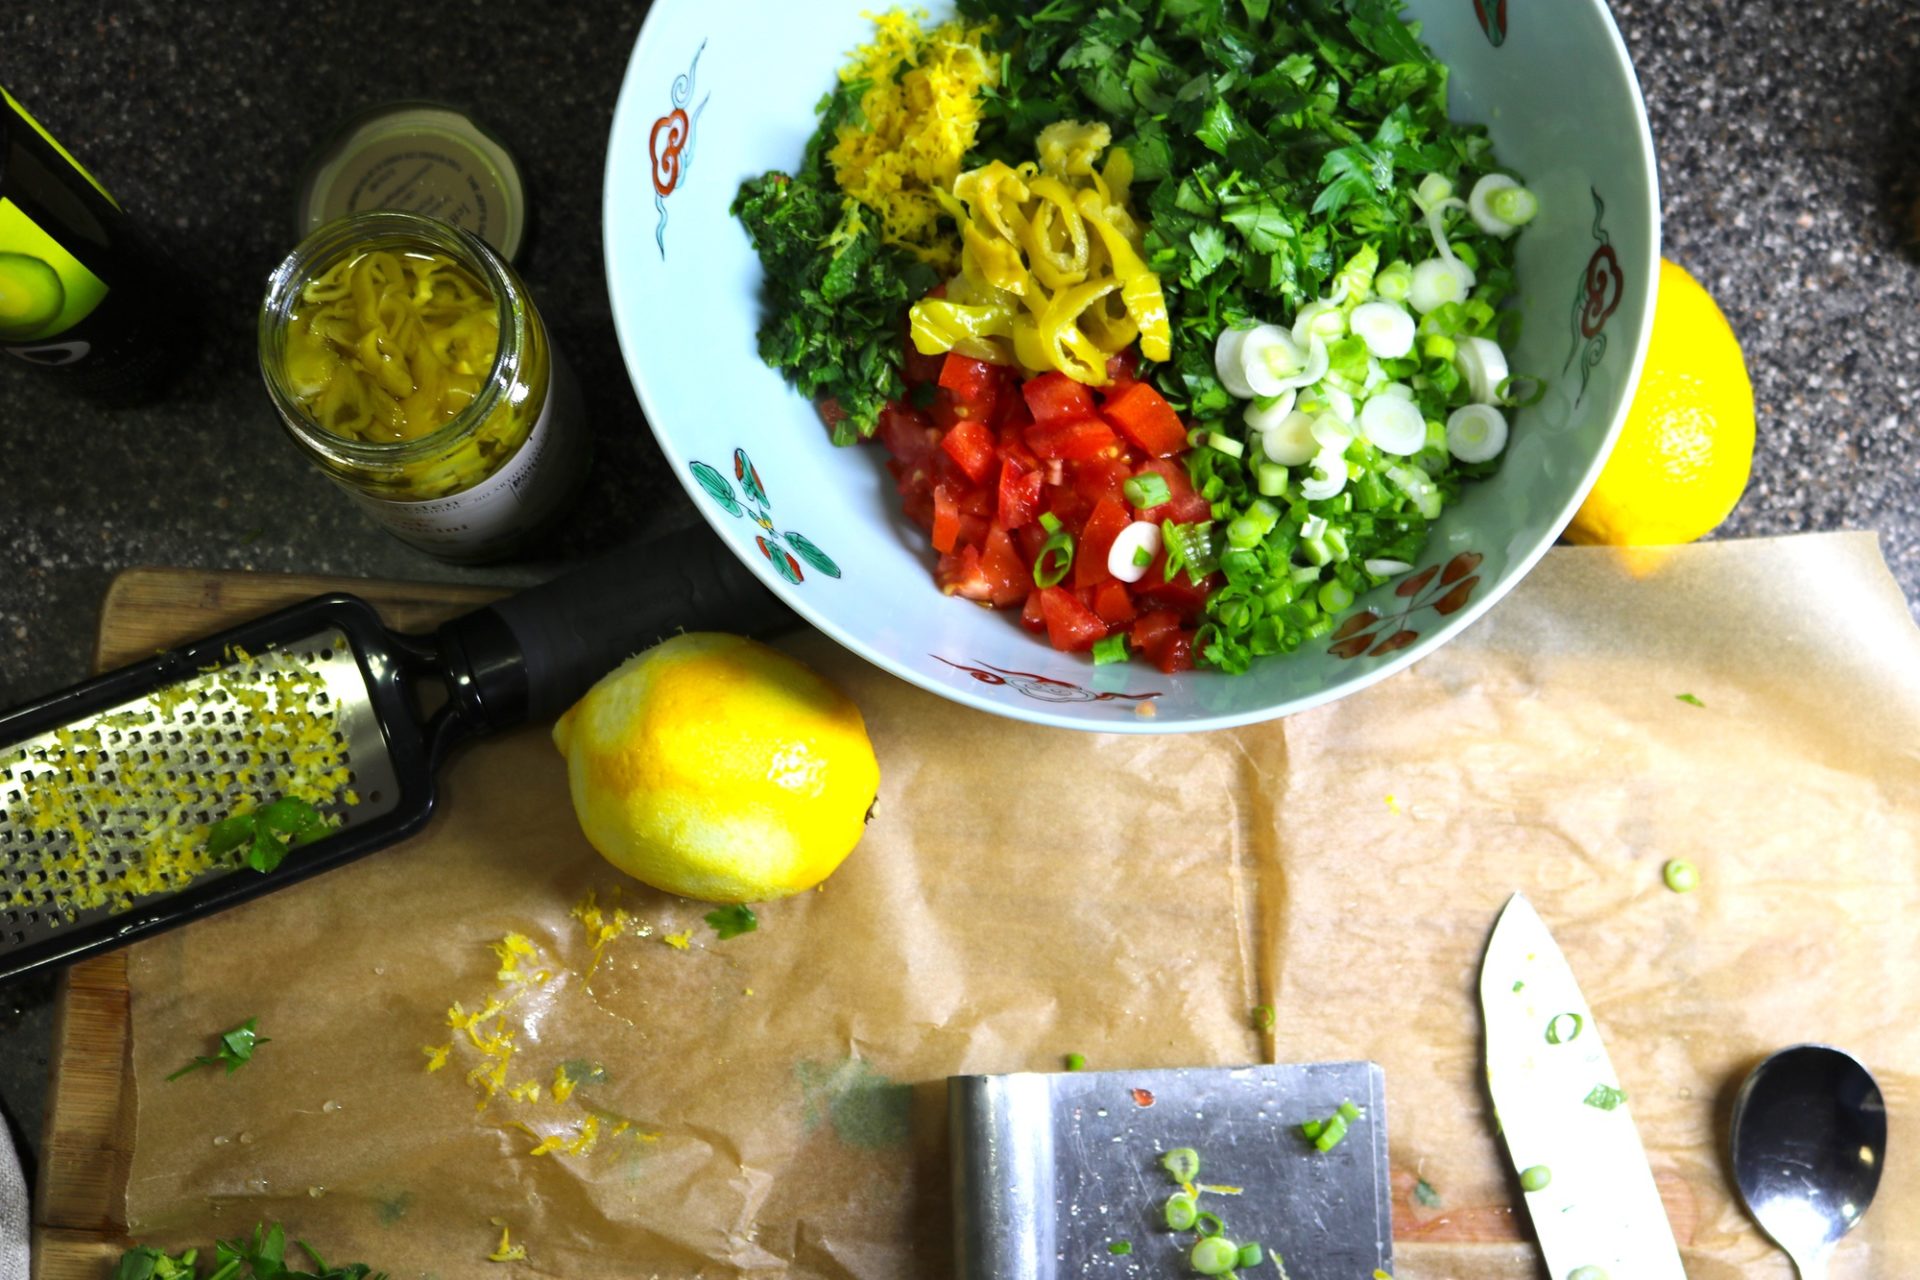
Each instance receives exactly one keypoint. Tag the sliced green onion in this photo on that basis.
(1076, 1062)
(1226, 444)
(1059, 546)
(1111, 649)
(1437, 346)
(1050, 522)
(1147, 490)
(1263, 1017)
(1335, 596)
(1209, 1224)
(1535, 1178)
(1181, 1211)
(1681, 876)
(1120, 1248)
(1251, 1254)
(1394, 280)
(1332, 1134)
(1564, 1027)
(1311, 1129)
(1336, 540)
(1142, 557)
(1432, 190)
(1515, 206)
(1214, 1256)
(1183, 1163)
(1304, 574)
(1270, 478)
(1349, 1112)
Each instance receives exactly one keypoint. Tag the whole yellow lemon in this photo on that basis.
(1686, 450)
(716, 768)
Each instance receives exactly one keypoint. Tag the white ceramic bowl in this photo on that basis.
(720, 90)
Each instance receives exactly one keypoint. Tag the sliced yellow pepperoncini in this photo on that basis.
(1051, 273)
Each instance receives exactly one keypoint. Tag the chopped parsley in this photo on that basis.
(731, 922)
(235, 1050)
(1605, 1097)
(836, 296)
(267, 833)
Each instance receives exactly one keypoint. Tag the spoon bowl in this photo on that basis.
(1809, 1139)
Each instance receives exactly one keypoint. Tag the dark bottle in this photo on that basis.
(81, 296)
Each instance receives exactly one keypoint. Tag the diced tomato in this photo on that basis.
(917, 505)
(1054, 397)
(831, 414)
(1184, 506)
(1066, 506)
(1122, 367)
(1113, 604)
(1071, 626)
(958, 572)
(1019, 495)
(1009, 579)
(1101, 478)
(1146, 419)
(972, 446)
(1096, 540)
(993, 576)
(1011, 412)
(1073, 439)
(1031, 536)
(946, 519)
(907, 434)
(1151, 626)
(1175, 653)
(918, 370)
(1031, 616)
(975, 385)
(1182, 595)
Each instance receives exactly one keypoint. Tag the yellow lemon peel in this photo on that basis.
(920, 116)
(506, 1250)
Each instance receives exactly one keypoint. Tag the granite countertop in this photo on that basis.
(1780, 128)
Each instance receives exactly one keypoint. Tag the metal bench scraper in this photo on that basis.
(1053, 1173)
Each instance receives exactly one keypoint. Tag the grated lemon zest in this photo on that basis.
(436, 1055)
(507, 1251)
(678, 941)
(69, 789)
(921, 116)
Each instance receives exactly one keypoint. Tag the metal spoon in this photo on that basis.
(1809, 1137)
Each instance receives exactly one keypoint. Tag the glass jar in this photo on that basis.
(497, 473)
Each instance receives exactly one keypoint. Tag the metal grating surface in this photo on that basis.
(111, 812)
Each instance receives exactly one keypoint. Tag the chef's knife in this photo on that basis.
(1564, 1116)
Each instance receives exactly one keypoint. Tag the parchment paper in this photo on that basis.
(1024, 893)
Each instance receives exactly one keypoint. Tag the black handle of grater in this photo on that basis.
(532, 655)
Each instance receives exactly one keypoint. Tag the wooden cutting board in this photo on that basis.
(80, 1209)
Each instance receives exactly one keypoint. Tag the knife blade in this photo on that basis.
(1561, 1110)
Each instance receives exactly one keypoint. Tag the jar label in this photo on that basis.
(476, 522)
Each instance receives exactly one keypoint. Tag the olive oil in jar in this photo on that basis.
(406, 358)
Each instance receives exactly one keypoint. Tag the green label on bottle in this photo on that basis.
(55, 144)
(44, 290)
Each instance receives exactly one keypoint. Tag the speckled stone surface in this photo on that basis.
(1783, 128)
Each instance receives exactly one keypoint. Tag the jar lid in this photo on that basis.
(421, 157)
